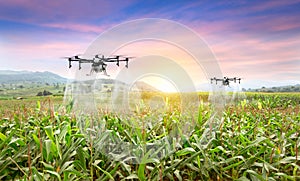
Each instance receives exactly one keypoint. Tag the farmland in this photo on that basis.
(256, 138)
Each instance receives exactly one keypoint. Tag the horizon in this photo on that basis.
(165, 87)
(257, 41)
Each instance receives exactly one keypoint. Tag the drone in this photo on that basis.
(98, 62)
(225, 81)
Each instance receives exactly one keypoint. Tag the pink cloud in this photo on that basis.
(77, 27)
(46, 56)
(256, 57)
(253, 53)
(273, 23)
(46, 50)
(262, 25)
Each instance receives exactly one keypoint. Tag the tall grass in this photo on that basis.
(258, 139)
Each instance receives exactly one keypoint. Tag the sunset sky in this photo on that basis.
(256, 40)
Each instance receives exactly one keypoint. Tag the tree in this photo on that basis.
(44, 93)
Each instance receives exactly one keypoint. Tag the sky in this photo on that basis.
(256, 40)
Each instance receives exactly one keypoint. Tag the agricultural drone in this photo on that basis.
(225, 81)
(98, 62)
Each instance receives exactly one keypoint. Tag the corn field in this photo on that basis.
(257, 139)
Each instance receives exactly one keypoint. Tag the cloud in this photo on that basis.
(257, 57)
(252, 39)
(42, 56)
(77, 27)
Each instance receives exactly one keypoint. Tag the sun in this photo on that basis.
(160, 83)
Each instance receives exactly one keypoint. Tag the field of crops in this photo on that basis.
(256, 138)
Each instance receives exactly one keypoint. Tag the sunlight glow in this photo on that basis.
(160, 83)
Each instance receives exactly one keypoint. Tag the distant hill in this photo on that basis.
(289, 88)
(21, 77)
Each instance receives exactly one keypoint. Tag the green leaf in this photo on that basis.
(217, 149)
(141, 172)
(253, 144)
(185, 151)
(55, 174)
(38, 105)
(131, 176)
(2, 136)
(177, 174)
(65, 166)
(37, 175)
(17, 141)
(48, 144)
(49, 132)
(105, 172)
(243, 178)
(284, 175)
(57, 148)
(254, 175)
(36, 140)
(227, 161)
(287, 160)
(233, 165)
(48, 166)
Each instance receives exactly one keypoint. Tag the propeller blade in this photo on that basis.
(116, 56)
(98, 55)
(130, 57)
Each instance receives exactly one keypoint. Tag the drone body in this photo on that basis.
(98, 62)
(226, 80)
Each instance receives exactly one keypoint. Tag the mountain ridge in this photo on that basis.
(18, 77)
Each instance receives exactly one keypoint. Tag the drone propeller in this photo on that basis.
(77, 56)
(66, 57)
(99, 55)
(118, 55)
(73, 57)
(129, 57)
(69, 59)
(237, 79)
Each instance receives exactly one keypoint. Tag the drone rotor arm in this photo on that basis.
(86, 61)
(110, 60)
